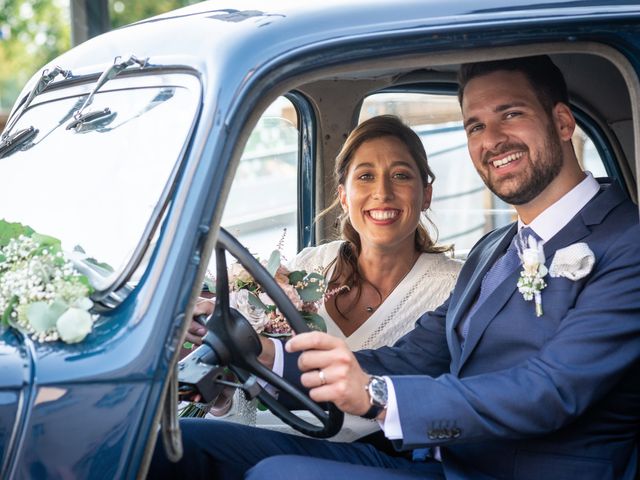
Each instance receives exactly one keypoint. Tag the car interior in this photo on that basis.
(309, 122)
(289, 147)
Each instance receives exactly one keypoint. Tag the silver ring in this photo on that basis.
(323, 380)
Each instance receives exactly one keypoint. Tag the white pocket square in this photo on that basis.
(573, 262)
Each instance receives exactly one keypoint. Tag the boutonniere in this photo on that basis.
(531, 281)
(573, 262)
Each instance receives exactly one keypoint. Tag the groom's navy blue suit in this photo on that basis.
(556, 396)
(550, 397)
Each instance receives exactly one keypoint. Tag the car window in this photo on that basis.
(262, 207)
(462, 209)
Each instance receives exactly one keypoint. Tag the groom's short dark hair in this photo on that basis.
(543, 75)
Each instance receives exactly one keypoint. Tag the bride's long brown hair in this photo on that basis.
(346, 263)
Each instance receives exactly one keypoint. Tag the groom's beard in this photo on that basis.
(533, 180)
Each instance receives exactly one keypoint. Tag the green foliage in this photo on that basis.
(46, 243)
(33, 33)
(15, 300)
(122, 12)
(43, 316)
(10, 230)
(255, 302)
(314, 321)
(310, 286)
(274, 262)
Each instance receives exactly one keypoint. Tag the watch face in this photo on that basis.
(378, 391)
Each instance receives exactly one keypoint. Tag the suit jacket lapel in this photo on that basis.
(576, 230)
(494, 249)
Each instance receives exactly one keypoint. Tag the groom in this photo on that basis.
(499, 382)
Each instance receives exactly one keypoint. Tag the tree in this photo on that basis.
(34, 32)
(123, 12)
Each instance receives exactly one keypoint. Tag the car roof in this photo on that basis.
(258, 30)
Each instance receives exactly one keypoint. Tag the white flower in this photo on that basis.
(255, 315)
(265, 298)
(74, 324)
(573, 262)
(531, 282)
(238, 273)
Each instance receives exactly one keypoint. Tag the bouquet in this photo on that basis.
(305, 290)
(41, 292)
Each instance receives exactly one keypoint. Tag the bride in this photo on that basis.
(386, 268)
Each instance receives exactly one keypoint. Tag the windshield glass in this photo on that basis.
(96, 187)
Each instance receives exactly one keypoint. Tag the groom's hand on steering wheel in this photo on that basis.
(331, 371)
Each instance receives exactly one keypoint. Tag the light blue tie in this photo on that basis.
(497, 274)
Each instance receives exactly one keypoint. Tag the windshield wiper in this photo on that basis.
(80, 118)
(10, 143)
(17, 140)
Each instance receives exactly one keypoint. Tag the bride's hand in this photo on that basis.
(195, 332)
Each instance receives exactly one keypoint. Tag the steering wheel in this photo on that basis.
(237, 346)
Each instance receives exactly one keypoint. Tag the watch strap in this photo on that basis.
(373, 412)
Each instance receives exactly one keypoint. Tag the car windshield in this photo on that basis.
(96, 186)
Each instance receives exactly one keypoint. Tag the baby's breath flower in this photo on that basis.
(28, 277)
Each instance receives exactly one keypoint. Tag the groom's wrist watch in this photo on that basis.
(377, 390)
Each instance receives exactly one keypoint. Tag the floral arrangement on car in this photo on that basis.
(41, 292)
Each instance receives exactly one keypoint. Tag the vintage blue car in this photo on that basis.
(136, 147)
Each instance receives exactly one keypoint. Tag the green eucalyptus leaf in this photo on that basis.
(85, 281)
(275, 335)
(255, 302)
(10, 230)
(314, 321)
(6, 315)
(43, 316)
(296, 276)
(312, 288)
(274, 262)
(45, 242)
(210, 284)
(241, 284)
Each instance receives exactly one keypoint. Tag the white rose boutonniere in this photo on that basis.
(531, 281)
(573, 262)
